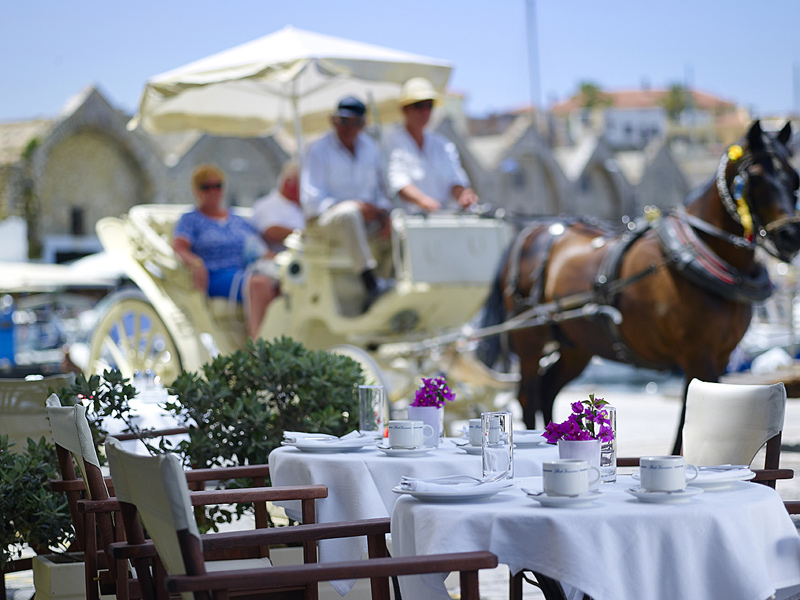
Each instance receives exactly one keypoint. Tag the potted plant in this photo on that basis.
(428, 405)
(581, 435)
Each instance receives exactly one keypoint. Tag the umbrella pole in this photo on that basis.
(298, 132)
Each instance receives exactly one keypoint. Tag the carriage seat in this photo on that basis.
(155, 224)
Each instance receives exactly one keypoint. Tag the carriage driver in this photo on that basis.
(279, 213)
(424, 168)
(341, 190)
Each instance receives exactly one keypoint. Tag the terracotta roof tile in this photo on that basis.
(643, 99)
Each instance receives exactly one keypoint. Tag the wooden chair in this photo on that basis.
(22, 416)
(729, 423)
(96, 515)
(154, 489)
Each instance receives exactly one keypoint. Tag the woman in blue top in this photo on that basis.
(212, 241)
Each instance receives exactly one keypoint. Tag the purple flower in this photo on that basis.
(588, 421)
(433, 392)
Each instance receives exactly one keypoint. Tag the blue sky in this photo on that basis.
(743, 51)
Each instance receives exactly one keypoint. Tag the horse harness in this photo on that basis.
(680, 247)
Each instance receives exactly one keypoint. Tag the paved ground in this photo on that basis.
(647, 417)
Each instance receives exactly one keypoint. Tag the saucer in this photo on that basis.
(405, 452)
(470, 449)
(664, 497)
(582, 501)
(529, 438)
(320, 446)
(458, 493)
(720, 478)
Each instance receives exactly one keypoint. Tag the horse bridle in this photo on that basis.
(733, 203)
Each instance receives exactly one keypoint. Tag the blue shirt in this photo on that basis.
(221, 244)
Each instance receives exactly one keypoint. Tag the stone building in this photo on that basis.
(600, 188)
(64, 174)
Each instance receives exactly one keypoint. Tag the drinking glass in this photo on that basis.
(608, 451)
(497, 445)
(370, 409)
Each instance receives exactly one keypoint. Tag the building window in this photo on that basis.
(76, 221)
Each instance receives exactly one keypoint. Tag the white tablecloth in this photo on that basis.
(146, 414)
(731, 545)
(360, 483)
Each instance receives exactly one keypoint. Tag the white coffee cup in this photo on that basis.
(568, 477)
(475, 432)
(664, 473)
(409, 434)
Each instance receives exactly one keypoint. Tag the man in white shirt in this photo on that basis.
(279, 213)
(424, 168)
(341, 188)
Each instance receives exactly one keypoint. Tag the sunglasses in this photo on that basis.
(210, 186)
(423, 105)
(349, 121)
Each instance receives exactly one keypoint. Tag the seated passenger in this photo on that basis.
(212, 242)
(341, 190)
(279, 213)
(424, 168)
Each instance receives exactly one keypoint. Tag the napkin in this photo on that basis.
(354, 438)
(721, 472)
(293, 436)
(449, 484)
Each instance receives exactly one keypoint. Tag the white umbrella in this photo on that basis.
(288, 76)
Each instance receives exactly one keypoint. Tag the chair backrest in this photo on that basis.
(729, 423)
(157, 486)
(70, 430)
(22, 408)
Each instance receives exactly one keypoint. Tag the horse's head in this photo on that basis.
(758, 188)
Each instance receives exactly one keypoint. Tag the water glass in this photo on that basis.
(497, 445)
(371, 400)
(608, 450)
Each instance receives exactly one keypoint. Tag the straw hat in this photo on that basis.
(417, 89)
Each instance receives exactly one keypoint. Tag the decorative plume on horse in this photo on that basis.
(674, 292)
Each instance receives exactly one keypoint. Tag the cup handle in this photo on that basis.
(636, 476)
(429, 435)
(596, 479)
(696, 473)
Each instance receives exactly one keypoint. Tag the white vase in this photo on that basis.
(588, 450)
(430, 415)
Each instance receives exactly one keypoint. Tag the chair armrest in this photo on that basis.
(216, 542)
(628, 461)
(150, 433)
(267, 494)
(207, 497)
(792, 507)
(221, 473)
(358, 569)
(123, 550)
(294, 534)
(772, 474)
(60, 485)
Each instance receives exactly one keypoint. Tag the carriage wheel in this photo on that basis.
(373, 375)
(130, 336)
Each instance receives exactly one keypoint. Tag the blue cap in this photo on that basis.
(350, 107)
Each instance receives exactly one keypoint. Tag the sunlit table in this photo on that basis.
(360, 483)
(734, 545)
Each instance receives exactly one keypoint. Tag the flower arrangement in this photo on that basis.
(588, 421)
(433, 392)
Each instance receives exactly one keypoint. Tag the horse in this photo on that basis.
(675, 292)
